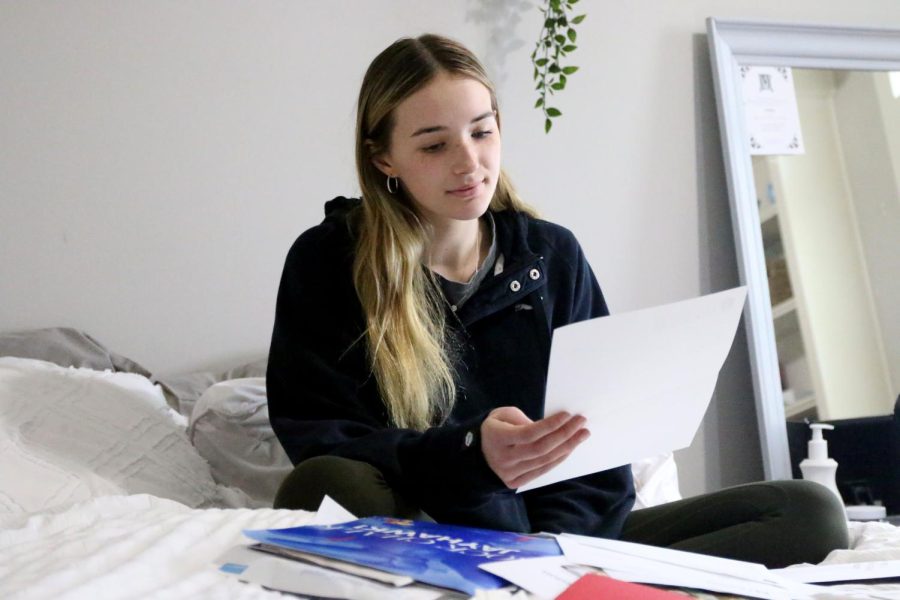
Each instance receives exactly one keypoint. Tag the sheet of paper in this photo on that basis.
(309, 580)
(545, 577)
(336, 565)
(577, 547)
(639, 563)
(642, 379)
(881, 569)
(331, 513)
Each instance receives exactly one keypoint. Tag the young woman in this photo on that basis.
(412, 333)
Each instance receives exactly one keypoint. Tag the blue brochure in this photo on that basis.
(441, 555)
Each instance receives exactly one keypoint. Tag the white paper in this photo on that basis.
(545, 576)
(770, 110)
(331, 513)
(881, 569)
(639, 563)
(295, 577)
(642, 379)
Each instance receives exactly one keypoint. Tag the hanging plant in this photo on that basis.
(556, 41)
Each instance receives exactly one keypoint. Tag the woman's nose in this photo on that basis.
(466, 158)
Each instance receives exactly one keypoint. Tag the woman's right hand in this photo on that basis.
(518, 449)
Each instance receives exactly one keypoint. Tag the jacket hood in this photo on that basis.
(340, 206)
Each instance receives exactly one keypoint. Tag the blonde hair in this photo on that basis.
(408, 349)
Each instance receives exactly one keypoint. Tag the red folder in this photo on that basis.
(599, 587)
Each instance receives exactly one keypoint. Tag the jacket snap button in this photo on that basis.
(453, 307)
(534, 274)
(515, 285)
(470, 437)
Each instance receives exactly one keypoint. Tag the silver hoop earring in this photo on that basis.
(396, 184)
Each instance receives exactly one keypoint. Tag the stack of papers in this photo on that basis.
(400, 551)
(638, 563)
(366, 559)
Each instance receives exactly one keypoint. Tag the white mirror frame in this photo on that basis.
(740, 43)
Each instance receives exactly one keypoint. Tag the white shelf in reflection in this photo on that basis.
(802, 404)
(784, 308)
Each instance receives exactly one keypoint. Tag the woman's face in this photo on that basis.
(445, 148)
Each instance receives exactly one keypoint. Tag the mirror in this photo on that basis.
(817, 232)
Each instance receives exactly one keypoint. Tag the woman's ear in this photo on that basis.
(383, 164)
(379, 158)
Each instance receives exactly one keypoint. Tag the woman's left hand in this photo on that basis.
(518, 449)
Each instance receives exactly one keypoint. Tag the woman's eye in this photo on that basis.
(479, 135)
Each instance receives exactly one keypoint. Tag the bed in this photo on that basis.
(115, 483)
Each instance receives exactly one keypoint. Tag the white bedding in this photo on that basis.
(81, 452)
(131, 546)
(143, 546)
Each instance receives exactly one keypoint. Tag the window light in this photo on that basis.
(894, 78)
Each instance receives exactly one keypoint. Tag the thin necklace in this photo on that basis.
(476, 253)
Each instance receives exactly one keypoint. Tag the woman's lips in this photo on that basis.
(467, 191)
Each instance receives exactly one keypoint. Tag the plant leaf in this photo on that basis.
(539, 102)
(547, 125)
(558, 85)
(571, 33)
(541, 62)
(568, 48)
(553, 112)
(569, 70)
(578, 19)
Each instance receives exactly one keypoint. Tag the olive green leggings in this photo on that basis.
(776, 523)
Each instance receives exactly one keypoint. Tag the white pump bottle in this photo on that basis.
(817, 466)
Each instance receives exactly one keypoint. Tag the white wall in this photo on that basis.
(158, 159)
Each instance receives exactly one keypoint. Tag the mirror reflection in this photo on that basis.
(830, 219)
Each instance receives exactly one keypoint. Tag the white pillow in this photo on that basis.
(230, 428)
(70, 434)
(655, 481)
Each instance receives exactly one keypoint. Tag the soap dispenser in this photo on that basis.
(817, 466)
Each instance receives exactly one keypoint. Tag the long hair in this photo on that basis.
(408, 348)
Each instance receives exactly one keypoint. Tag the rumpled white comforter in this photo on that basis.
(131, 547)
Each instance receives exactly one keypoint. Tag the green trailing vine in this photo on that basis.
(557, 40)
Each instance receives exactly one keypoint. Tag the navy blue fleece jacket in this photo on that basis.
(323, 399)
